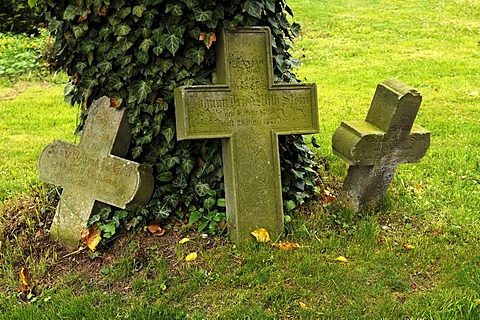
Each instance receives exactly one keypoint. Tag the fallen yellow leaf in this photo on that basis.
(190, 257)
(408, 246)
(23, 277)
(302, 305)
(91, 237)
(261, 235)
(184, 240)
(342, 259)
(287, 245)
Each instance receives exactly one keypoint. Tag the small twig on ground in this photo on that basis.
(73, 253)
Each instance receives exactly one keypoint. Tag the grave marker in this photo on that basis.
(376, 146)
(93, 172)
(248, 112)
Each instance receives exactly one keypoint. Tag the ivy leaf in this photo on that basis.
(54, 25)
(171, 161)
(202, 15)
(270, 5)
(140, 90)
(158, 50)
(187, 166)
(104, 66)
(108, 229)
(289, 205)
(253, 8)
(196, 54)
(209, 203)
(136, 152)
(146, 43)
(175, 9)
(221, 202)
(122, 29)
(138, 10)
(295, 29)
(202, 189)
(114, 83)
(172, 43)
(165, 176)
(168, 133)
(70, 12)
(190, 3)
(180, 181)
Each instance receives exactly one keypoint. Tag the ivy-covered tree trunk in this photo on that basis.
(137, 52)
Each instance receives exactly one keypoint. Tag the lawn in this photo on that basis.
(417, 257)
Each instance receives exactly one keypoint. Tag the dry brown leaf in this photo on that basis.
(85, 16)
(287, 245)
(200, 162)
(91, 237)
(156, 230)
(210, 36)
(342, 259)
(114, 103)
(192, 256)
(261, 235)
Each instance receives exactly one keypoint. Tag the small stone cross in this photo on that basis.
(93, 172)
(376, 146)
(248, 112)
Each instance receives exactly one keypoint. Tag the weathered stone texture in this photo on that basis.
(376, 146)
(248, 111)
(94, 173)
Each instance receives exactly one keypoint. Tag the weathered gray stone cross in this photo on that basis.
(248, 111)
(93, 172)
(376, 146)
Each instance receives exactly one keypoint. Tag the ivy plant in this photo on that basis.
(137, 52)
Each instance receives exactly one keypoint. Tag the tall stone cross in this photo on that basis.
(94, 173)
(248, 112)
(376, 146)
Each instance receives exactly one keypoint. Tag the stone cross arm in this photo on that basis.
(362, 143)
(93, 173)
(248, 112)
(375, 147)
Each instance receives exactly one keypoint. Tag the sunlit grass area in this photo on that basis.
(31, 116)
(418, 257)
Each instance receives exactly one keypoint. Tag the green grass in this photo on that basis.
(347, 47)
(31, 116)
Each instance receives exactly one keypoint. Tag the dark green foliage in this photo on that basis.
(17, 17)
(137, 53)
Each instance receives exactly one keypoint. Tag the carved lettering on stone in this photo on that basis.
(248, 111)
(94, 173)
